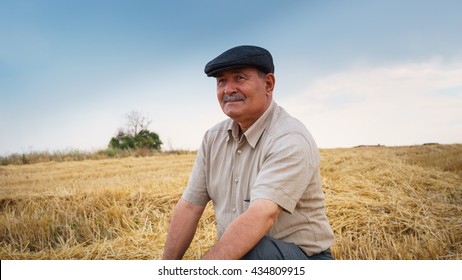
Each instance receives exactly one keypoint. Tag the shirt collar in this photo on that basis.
(254, 133)
(233, 131)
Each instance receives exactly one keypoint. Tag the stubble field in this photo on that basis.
(382, 202)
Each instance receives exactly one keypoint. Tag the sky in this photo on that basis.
(359, 72)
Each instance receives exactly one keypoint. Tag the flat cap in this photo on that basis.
(241, 56)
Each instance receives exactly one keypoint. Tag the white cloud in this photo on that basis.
(401, 105)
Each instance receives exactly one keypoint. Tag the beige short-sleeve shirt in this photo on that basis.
(275, 159)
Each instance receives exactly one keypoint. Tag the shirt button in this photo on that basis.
(236, 180)
(234, 210)
(239, 151)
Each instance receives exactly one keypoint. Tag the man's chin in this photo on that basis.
(232, 112)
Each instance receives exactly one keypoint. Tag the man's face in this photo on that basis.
(244, 94)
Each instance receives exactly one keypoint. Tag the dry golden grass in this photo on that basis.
(395, 203)
(382, 202)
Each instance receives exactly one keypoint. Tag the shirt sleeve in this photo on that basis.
(289, 165)
(196, 190)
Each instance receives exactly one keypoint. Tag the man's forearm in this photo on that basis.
(245, 232)
(182, 228)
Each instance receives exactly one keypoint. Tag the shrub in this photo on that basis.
(143, 139)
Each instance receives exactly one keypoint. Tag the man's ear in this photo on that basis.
(270, 81)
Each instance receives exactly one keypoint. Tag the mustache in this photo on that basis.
(234, 97)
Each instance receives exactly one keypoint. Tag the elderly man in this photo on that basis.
(260, 168)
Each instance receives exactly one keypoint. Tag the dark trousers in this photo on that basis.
(269, 248)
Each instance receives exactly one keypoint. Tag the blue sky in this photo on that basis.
(355, 72)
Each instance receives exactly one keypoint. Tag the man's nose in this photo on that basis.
(229, 88)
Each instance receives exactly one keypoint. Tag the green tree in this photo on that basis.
(136, 135)
(147, 139)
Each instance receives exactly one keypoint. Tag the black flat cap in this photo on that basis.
(241, 56)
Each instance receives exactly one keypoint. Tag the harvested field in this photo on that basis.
(382, 202)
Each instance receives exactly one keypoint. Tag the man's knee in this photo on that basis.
(264, 250)
(269, 248)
